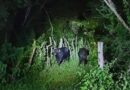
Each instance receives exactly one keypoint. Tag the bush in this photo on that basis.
(97, 79)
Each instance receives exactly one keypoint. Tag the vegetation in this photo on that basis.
(30, 30)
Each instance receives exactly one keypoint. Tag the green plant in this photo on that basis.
(97, 79)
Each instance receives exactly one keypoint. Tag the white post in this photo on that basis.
(100, 55)
(60, 43)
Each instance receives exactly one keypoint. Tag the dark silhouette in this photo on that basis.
(83, 53)
(61, 54)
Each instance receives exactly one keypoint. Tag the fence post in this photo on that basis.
(100, 55)
(61, 43)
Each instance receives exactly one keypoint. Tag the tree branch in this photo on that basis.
(111, 5)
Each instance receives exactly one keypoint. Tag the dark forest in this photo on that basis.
(64, 45)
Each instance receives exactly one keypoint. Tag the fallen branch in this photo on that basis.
(111, 5)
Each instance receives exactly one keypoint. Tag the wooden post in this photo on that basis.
(100, 55)
(61, 43)
(48, 53)
(32, 54)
